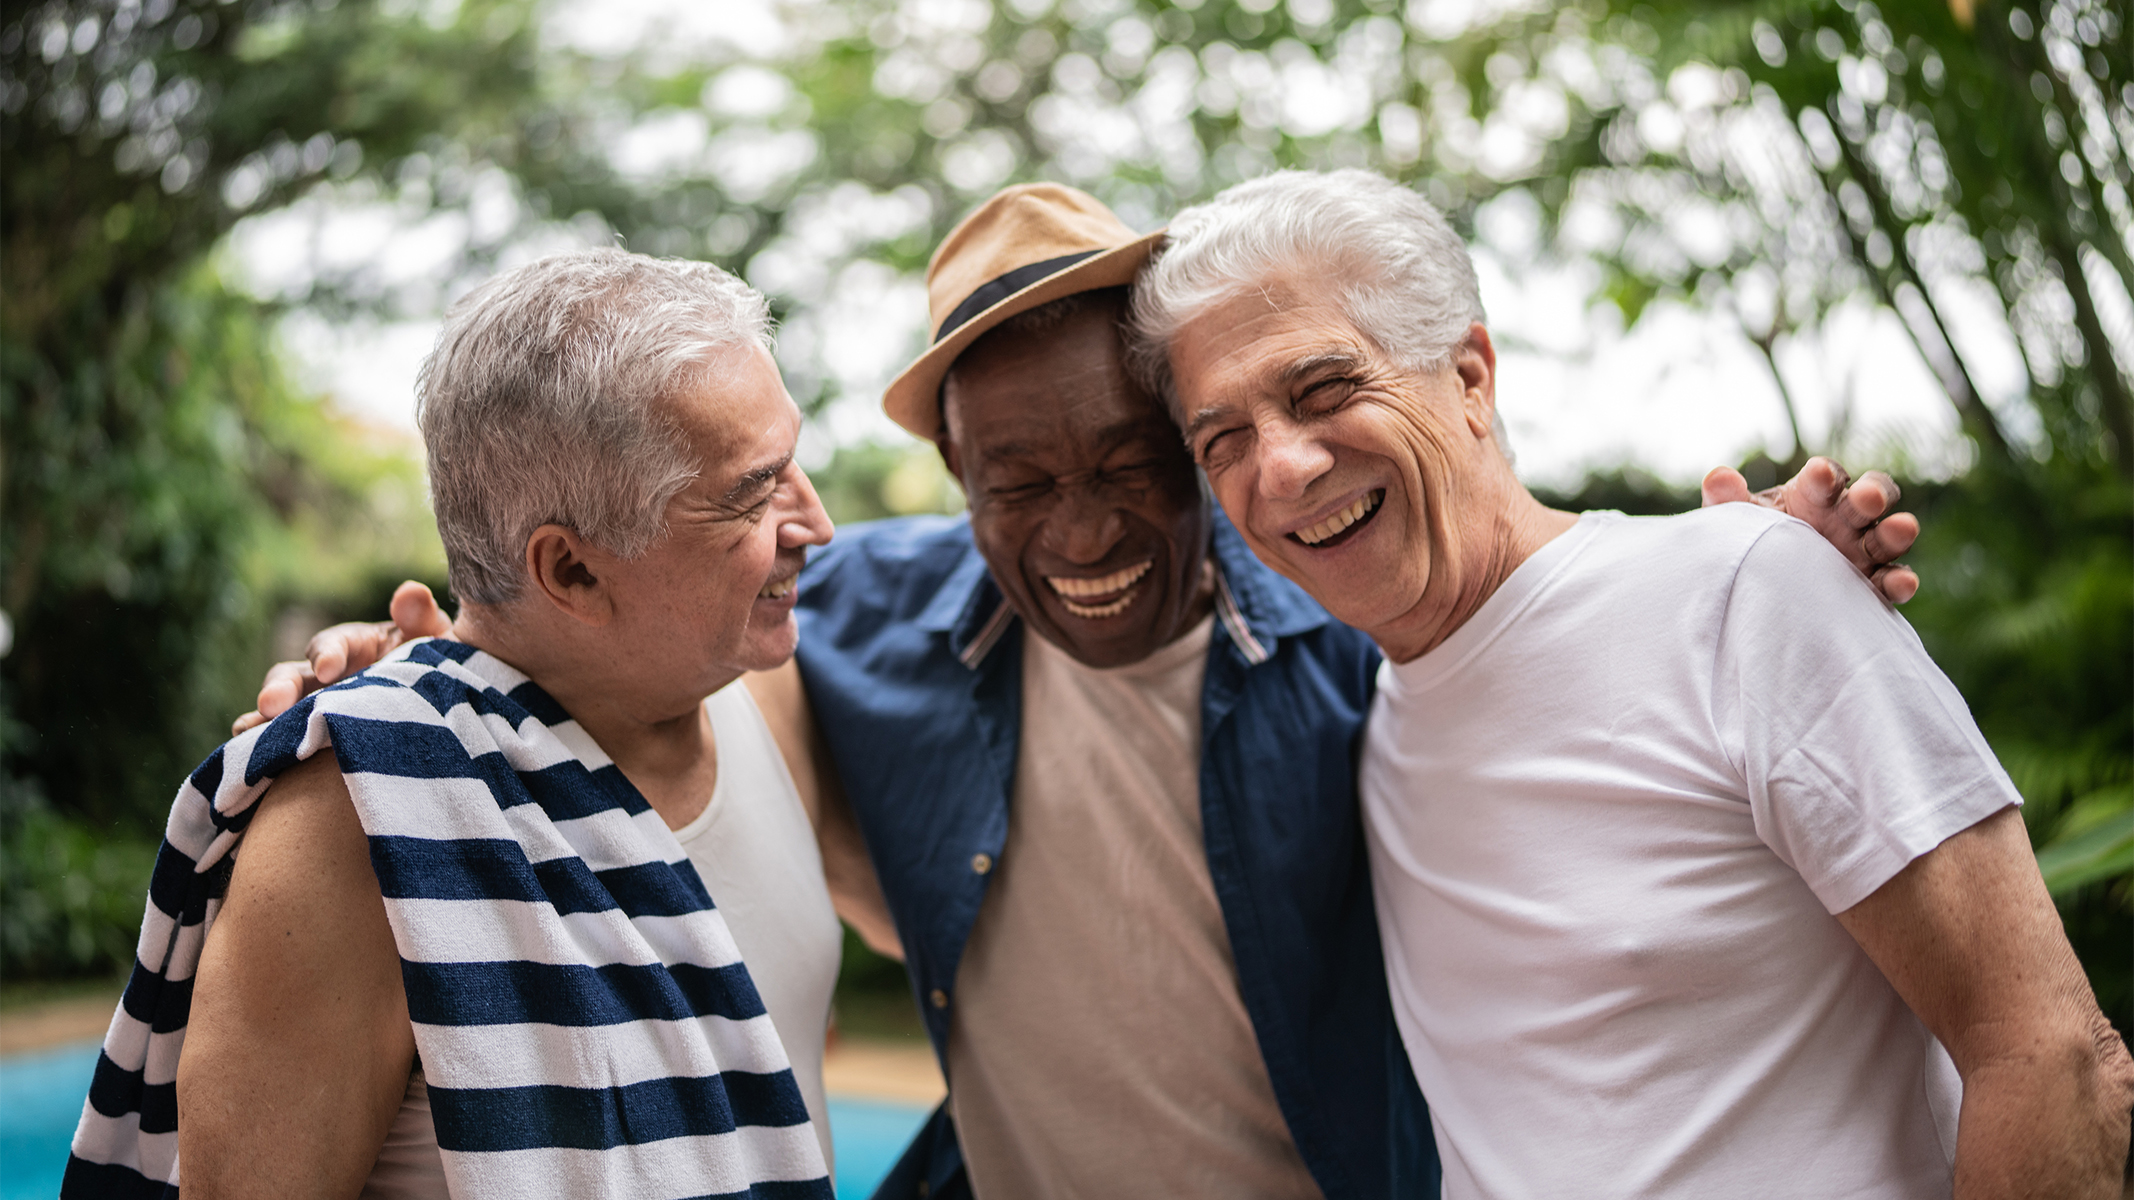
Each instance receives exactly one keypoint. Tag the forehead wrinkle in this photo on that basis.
(1108, 437)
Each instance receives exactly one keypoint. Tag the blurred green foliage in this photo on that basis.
(1962, 165)
(71, 898)
(868, 481)
(166, 490)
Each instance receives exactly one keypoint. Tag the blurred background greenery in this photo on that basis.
(191, 184)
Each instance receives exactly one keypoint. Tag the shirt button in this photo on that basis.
(938, 997)
(981, 863)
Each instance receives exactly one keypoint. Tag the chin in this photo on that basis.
(770, 649)
(1118, 648)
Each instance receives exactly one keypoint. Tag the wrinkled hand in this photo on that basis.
(336, 653)
(1853, 517)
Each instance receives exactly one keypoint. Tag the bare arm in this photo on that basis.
(854, 888)
(1969, 938)
(298, 1049)
(1855, 517)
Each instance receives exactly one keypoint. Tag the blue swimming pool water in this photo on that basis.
(41, 1097)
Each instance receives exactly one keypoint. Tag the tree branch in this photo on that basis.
(1956, 381)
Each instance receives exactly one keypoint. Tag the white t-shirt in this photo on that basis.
(755, 850)
(1609, 820)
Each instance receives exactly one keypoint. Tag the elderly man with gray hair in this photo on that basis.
(473, 951)
(1694, 876)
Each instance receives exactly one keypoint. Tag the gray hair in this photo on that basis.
(543, 403)
(1404, 276)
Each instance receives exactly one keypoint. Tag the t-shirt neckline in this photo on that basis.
(1190, 645)
(1526, 584)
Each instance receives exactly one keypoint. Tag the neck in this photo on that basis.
(1484, 555)
(661, 744)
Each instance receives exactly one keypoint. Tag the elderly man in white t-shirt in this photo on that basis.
(1694, 875)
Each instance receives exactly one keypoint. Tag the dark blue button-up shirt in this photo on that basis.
(913, 665)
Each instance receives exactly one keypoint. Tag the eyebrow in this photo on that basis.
(1200, 420)
(1313, 363)
(1287, 376)
(753, 481)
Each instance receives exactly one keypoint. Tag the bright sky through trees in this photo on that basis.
(1679, 393)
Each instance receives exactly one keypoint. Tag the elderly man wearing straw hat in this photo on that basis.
(1121, 857)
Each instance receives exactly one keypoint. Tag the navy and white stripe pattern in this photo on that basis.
(586, 1026)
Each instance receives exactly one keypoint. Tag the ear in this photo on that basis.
(562, 566)
(948, 455)
(1476, 363)
(946, 443)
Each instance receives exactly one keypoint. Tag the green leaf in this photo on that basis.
(2104, 851)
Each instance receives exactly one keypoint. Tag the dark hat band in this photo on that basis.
(993, 291)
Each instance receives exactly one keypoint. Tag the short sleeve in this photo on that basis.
(1858, 753)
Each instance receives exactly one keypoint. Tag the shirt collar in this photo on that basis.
(1255, 605)
(1267, 605)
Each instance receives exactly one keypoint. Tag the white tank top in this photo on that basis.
(756, 851)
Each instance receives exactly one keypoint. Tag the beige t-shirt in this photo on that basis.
(1099, 1045)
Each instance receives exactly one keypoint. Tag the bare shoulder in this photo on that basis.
(305, 834)
(854, 889)
(298, 1046)
(302, 889)
(783, 700)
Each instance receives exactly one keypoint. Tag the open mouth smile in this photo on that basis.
(1342, 525)
(1104, 596)
(778, 589)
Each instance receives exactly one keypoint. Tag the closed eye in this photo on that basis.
(1325, 396)
(1020, 491)
(1219, 447)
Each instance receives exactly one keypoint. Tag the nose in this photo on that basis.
(805, 523)
(1085, 526)
(1289, 459)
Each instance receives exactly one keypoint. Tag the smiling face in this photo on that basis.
(1377, 489)
(1082, 501)
(714, 597)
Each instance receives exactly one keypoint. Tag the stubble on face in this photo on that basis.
(724, 564)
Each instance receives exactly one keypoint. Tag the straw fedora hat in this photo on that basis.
(1028, 245)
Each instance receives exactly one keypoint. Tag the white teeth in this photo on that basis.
(778, 589)
(1340, 520)
(1069, 588)
(1068, 585)
(1102, 610)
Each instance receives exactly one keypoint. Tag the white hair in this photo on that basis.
(543, 403)
(1401, 273)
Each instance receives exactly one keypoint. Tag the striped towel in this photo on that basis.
(585, 1023)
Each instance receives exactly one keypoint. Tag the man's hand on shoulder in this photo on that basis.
(336, 653)
(1855, 517)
